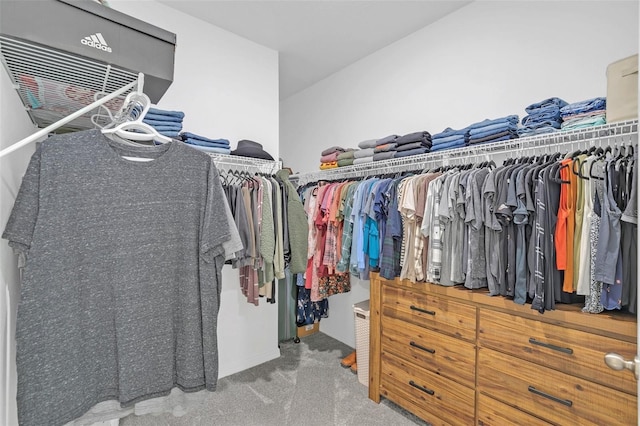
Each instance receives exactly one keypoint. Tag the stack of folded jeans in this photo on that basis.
(329, 157)
(415, 143)
(218, 146)
(385, 148)
(449, 139)
(498, 129)
(544, 117)
(591, 112)
(168, 123)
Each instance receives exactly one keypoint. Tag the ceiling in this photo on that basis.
(317, 38)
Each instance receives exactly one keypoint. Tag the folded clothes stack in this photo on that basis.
(346, 158)
(587, 113)
(385, 148)
(329, 157)
(366, 151)
(498, 129)
(544, 117)
(218, 146)
(415, 143)
(167, 123)
(449, 139)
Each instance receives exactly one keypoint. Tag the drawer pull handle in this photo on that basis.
(422, 388)
(415, 345)
(424, 311)
(566, 402)
(550, 346)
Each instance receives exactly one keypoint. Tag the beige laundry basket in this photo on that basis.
(361, 314)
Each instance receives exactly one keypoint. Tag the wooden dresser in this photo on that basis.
(453, 356)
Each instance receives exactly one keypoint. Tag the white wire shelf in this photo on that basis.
(621, 132)
(225, 163)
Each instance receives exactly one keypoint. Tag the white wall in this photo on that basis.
(486, 60)
(228, 88)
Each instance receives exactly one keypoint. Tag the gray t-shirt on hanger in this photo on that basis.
(121, 284)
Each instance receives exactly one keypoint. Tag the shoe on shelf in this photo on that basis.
(348, 360)
(354, 368)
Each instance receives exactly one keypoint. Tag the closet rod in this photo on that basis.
(232, 162)
(50, 128)
(484, 151)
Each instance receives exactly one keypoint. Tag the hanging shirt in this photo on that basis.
(102, 240)
(476, 274)
(578, 215)
(431, 229)
(584, 273)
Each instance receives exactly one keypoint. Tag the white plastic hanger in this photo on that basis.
(143, 132)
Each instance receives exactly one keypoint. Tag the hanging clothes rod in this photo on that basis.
(44, 132)
(248, 164)
(569, 140)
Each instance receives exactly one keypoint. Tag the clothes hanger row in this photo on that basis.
(236, 177)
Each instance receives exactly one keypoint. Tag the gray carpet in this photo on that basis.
(304, 386)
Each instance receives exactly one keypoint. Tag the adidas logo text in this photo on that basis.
(96, 40)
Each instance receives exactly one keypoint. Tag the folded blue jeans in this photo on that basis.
(436, 141)
(450, 132)
(459, 140)
(209, 144)
(544, 114)
(593, 104)
(178, 114)
(555, 102)
(490, 130)
(167, 128)
(527, 131)
(513, 119)
(160, 117)
(503, 138)
(189, 135)
(493, 136)
(551, 123)
(448, 145)
(162, 123)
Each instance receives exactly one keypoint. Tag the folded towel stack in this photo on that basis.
(544, 117)
(449, 139)
(167, 123)
(329, 157)
(588, 113)
(498, 129)
(219, 146)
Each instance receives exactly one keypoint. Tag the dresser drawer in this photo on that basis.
(442, 314)
(549, 394)
(434, 396)
(495, 413)
(433, 351)
(570, 351)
